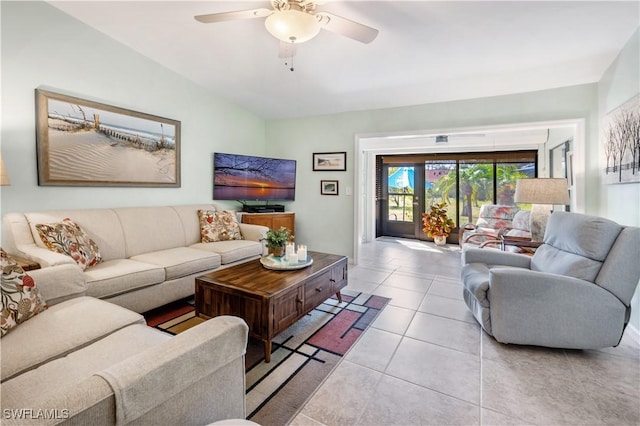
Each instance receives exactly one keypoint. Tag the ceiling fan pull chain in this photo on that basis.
(289, 58)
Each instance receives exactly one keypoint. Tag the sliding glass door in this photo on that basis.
(465, 182)
(401, 202)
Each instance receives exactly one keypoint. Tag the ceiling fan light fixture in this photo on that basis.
(292, 26)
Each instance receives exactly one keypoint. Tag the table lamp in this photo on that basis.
(4, 176)
(542, 193)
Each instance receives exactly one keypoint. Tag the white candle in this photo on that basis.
(289, 249)
(302, 253)
(293, 258)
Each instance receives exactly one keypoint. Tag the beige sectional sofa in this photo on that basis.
(151, 255)
(85, 361)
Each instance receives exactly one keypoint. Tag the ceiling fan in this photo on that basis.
(297, 21)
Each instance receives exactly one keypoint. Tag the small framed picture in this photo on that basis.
(329, 187)
(329, 161)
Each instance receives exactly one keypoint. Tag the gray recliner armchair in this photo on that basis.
(574, 293)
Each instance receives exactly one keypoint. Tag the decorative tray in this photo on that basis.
(279, 263)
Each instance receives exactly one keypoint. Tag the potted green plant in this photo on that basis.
(276, 240)
(436, 223)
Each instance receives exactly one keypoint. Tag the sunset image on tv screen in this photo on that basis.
(243, 177)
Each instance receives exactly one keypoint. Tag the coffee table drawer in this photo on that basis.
(317, 291)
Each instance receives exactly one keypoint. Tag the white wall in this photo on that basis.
(621, 202)
(326, 222)
(43, 47)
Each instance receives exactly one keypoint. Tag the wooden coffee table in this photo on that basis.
(270, 300)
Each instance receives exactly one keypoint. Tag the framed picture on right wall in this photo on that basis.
(621, 143)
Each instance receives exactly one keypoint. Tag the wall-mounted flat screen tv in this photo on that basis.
(249, 178)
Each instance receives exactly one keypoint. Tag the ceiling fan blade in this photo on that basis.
(232, 16)
(347, 27)
(287, 50)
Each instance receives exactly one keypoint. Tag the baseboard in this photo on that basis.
(635, 334)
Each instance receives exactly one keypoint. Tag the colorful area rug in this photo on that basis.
(302, 356)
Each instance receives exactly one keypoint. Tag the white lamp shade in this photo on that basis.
(542, 191)
(292, 26)
(4, 176)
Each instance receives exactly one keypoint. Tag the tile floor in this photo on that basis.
(425, 360)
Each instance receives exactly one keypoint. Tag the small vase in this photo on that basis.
(440, 240)
(277, 251)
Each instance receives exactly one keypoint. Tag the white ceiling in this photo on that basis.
(426, 51)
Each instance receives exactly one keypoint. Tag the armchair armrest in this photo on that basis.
(469, 226)
(253, 232)
(495, 257)
(503, 231)
(461, 232)
(483, 238)
(151, 378)
(553, 310)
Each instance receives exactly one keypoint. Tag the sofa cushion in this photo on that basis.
(53, 377)
(69, 238)
(59, 330)
(496, 216)
(522, 221)
(584, 235)
(181, 261)
(148, 229)
(554, 261)
(121, 276)
(218, 226)
(191, 222)
(21, 299)
(101, 225)
(232, 251)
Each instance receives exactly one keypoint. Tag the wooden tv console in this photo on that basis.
(272, 220)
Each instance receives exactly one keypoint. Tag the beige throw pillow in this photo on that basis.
(218, 226)
(68, 238)
(21, 299)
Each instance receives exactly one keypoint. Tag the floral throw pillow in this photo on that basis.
(20, 297)
(68, 238)
(218, 226)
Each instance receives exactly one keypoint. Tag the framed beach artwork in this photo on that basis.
(329, 161)
(329, 187)
(86, 143)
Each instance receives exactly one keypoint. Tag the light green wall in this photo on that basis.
(621, 203)
(43, 47)
(620, 83)
(327, 222)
